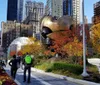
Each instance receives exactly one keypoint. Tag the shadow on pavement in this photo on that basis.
(19, 79)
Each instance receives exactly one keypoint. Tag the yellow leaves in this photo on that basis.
(34, 47)
(70, 46)
(32, 38)
(96, 30)
(76, 40)
(26, 49)
(74, 48)
(95, 37)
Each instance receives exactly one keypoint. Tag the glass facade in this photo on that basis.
(15, 10)
(67, 7)
(20, 10)
(12, 10)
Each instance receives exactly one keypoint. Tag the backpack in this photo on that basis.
(28, 59)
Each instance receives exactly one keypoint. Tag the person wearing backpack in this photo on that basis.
(28, 61)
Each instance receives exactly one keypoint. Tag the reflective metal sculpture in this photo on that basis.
(51, 24)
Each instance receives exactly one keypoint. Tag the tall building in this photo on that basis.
(34, 13)
(96, 13)
(46, 10)
(85, 20)
(12, 10)
(67, 7)
(54, 8)
(97, 9)
(64, 7)
(76, 7)
(20, 7)
(24, 11)
(38, 6)
(15, 10)
(11, 30)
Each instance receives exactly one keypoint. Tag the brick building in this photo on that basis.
(11, 30)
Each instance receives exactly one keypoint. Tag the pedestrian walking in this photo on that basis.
(28, 61)
(13, 63)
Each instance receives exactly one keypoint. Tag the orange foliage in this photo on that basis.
(60, 39)
(48, 52)
(19, 53)
(74, 48)
(12, 53)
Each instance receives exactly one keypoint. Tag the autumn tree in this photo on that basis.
(67, 44)
(74, 50)
(34, 48)
(59, 39)
(95, 37)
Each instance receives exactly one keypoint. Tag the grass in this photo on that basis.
(70, 70)
(92, 68)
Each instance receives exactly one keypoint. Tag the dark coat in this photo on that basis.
(13, 63)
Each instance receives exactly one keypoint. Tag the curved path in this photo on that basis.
(38, 78)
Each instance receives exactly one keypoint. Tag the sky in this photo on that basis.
(88, 9)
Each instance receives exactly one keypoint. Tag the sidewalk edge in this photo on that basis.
(78, 81)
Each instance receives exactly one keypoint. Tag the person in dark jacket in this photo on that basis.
(27, 67)
(13, 63)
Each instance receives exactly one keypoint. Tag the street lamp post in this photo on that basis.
(84, 74)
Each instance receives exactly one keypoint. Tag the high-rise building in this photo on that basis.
(64, 7)
(48, 6)
(20, 7)
(96, 18)
(54, 8)
(38, 6)
(34, 13)
(24, 11)
(85, 20)
(76, 7)
(67, 7)
(12, 10)
(97, 9)
(15, 10)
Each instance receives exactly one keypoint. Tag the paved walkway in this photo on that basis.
(38, 79)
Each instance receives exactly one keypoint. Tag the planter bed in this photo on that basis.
(5, 79)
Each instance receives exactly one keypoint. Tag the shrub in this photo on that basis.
(73, 68)
(61, 67)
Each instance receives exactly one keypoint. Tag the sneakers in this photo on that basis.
(28, 82)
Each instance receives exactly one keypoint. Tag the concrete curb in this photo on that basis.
(78, 81)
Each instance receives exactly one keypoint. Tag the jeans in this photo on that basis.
(29, 73)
